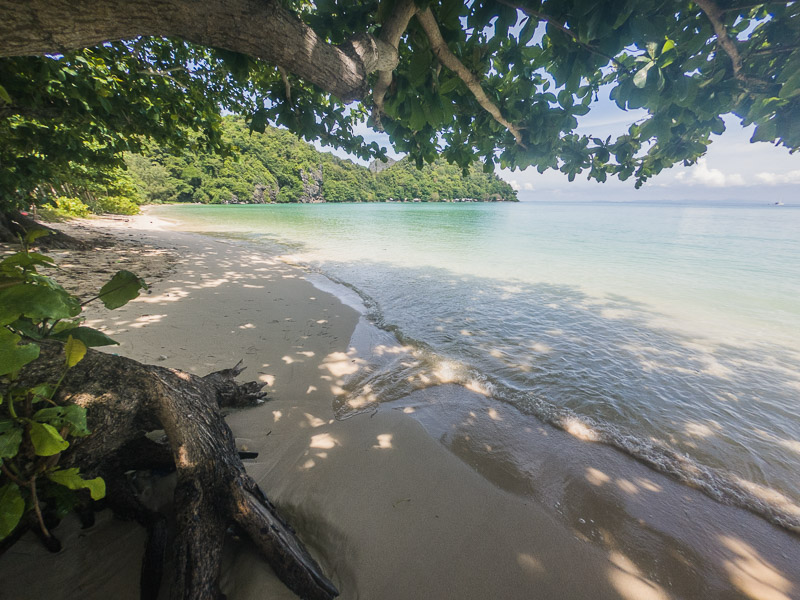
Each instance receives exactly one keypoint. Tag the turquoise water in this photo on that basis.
(669, 331)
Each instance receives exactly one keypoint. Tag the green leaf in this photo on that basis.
(640, 79)
(13, 356)
(258, 122)
(36, 234)
(12, 507)
(765, 132)
(4, 95)
(418, 119)
(791, 86)
(26, 328)
(90, 337)
(72, 415)
(71, 479)
(122, 288)
(26, 259)
(449, 85)
(38, 302)
(74, 351)
(10, 441)
(46, 440)
(41, 392)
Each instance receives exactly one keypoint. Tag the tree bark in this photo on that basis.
(124, 400)
(14, 225)
(258, 28)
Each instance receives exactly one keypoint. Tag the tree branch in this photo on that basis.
(450, 60)
(714, 14)
(391, 32)
(561, 27)
(259, 28)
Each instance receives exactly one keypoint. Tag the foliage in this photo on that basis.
(276, 166)
(70, 207)
(34, 428)
(542, 63)
(62, 115)
(546, 63)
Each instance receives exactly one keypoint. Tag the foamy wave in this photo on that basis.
(406, 365)
(723, 487)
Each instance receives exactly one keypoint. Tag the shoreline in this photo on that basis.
(440, 494)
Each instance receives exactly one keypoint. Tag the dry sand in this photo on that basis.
(442, 494)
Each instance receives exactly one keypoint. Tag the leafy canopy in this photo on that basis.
(540, 64)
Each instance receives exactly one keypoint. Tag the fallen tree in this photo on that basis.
(125, 400)
(74, 421)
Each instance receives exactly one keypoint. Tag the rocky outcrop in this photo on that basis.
(376, 166)
(312, 186)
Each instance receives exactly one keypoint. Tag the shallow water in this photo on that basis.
(669, 331)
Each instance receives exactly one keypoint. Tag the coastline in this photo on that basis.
(439, 494)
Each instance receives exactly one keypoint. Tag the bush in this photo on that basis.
(64, 208)
(115, 205)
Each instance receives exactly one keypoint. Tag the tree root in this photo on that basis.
(124, 400)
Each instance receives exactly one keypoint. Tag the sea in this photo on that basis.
(670, 331)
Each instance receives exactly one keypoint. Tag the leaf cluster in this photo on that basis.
(67, 119)
(542, 63)
(34, 428)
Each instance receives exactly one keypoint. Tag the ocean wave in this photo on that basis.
(396, 364)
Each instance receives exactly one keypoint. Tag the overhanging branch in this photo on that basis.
(391, 32)
(715, 15)
(451, 61)
(259, 28)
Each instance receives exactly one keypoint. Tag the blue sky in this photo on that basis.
(733, 169)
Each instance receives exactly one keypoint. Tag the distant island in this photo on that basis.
(278, 167)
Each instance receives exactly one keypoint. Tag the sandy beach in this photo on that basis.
(445, 493)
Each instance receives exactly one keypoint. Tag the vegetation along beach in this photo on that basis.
(399, 300)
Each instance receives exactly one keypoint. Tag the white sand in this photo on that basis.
(443, 494)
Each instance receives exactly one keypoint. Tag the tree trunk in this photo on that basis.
(124, 400)
(259, 28)
(14, 225)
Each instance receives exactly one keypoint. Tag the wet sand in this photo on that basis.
(442, 494)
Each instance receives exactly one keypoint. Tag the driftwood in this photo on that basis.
(124, 400)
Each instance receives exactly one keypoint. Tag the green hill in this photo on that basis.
(277, 166)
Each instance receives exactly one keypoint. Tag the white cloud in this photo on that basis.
(527, 186)
(702, 174)
(769, 178)
(514, 184)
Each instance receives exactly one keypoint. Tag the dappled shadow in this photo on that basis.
(662, 539)
(561, 518)
(606, 369)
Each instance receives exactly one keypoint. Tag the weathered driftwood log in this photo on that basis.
(124, 400)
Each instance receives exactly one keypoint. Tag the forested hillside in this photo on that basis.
(276, 166)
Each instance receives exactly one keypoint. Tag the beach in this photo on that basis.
(441, 493)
